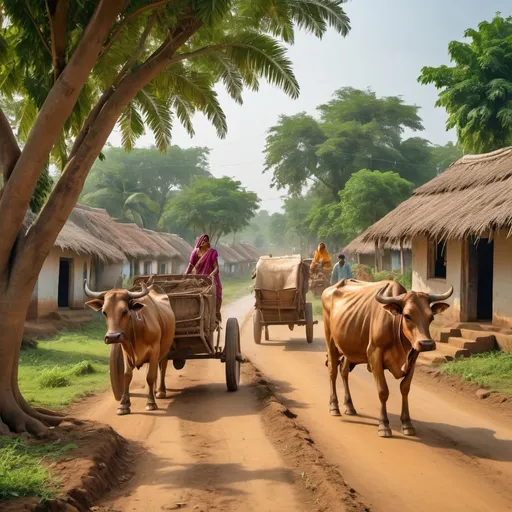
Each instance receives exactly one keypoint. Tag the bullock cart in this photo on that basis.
(280, 289)
(198, 332)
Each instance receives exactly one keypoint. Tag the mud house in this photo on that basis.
(73, 259)
(460, 225)
(183, 248)
(387, 257)
(230, 261)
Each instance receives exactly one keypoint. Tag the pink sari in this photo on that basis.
(205, 266)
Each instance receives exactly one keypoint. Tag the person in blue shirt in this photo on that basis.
(341, 270)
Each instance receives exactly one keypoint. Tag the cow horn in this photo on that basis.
(138, 295)
(432, 297)
(386, 300)
(91, 294)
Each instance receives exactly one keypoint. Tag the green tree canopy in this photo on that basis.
(216, 206)
(368, 196)
(135, 186)
(72, 70)
(477, 90)
(356, 130)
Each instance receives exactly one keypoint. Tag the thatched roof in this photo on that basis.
(182, 247)
(473, 196)
(168, 250)
(143, 240)
(255, 254)
(357, 246)
(228, 254)
(245, 253)
(102, 226)
(73, 238)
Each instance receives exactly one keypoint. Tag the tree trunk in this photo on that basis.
(16, 415)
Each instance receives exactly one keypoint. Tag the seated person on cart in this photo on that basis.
(204, 260)
(321, 261)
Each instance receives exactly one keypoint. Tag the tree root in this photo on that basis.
(19, 422)
(48, 412)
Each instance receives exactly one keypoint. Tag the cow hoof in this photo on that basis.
(151, 407)
(350, 411)
(161, 394)
(408, 430)
(385, 432)
(123, 411)
(335, 412)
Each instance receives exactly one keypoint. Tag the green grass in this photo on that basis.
(23, 471)
(317, 304)
(234, 288)
(69, 366)
(492, 370)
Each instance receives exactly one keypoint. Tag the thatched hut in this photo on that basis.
(387, 256)
(230, 261)
(72, 259)
(182, 247)
(167, 261)
(460, 224)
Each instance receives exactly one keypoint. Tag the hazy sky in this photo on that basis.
(390, 41)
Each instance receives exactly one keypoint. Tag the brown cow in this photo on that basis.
(144, 323)
(383, 326)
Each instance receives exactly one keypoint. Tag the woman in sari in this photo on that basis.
(321, 259)
(204, 261)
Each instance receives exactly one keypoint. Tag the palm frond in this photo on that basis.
(157, 115)
(131, 126)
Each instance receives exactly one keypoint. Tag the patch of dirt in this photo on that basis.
(319, 483)
(498, 402)
(100, 461)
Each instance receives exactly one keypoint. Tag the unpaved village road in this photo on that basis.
(207, 448)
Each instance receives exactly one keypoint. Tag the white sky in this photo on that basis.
(390, 41)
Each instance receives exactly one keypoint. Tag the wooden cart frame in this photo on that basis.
(198, 332)
(283, 307)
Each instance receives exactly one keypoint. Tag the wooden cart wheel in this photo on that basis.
(257, 327)
(309, 322)
(231, 353)
(116, 370)
(267, 335)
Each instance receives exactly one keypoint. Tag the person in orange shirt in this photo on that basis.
(321, 259)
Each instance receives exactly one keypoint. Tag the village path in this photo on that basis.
(204, 450)
(207, 449)
(460, 460)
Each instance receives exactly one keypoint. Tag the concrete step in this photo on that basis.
(485, 340)
(440, 333)
(444, 352)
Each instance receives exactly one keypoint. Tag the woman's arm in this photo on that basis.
(215, 269)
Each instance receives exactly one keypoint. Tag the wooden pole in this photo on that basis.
(402, 257)
(377, 256)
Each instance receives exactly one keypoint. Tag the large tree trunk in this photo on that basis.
(15, 414)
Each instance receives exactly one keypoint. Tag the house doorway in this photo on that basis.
(480, 280)
(63, 297)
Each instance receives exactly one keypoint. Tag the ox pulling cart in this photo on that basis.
(280, 289)
(198, 332)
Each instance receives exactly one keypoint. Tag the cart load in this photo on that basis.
(193, 300)
(280, 288)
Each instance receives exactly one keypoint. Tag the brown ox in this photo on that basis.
(144, 323)
(383, 326)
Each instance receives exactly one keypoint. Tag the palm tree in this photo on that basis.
(477, 91)
(81, 67)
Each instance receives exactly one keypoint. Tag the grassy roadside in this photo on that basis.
(234, 288)
(492, 370)
(66, 367)
(23, 468)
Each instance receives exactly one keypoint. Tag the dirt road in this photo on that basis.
(460, 460)
(209, 450)
(205, 449)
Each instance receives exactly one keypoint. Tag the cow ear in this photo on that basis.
(95, 304)
(137, 306)
(393, 309)
(439, 307)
